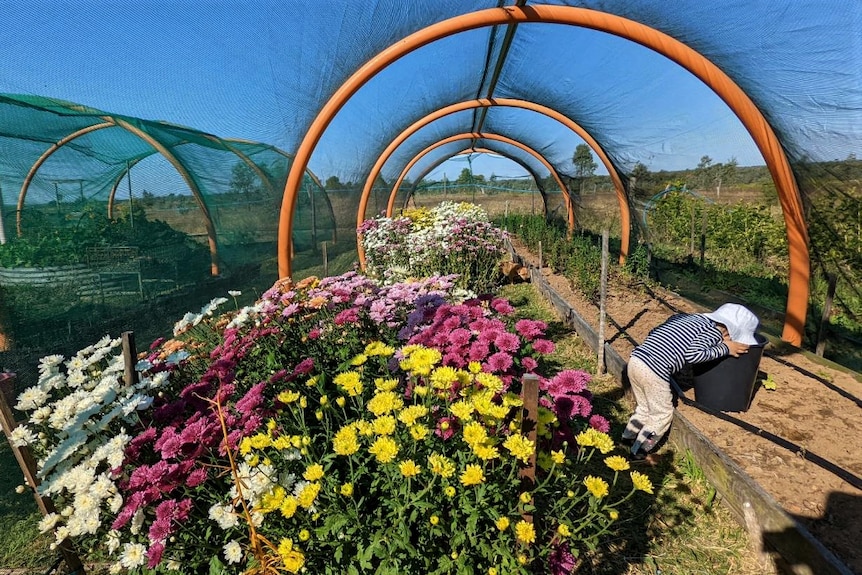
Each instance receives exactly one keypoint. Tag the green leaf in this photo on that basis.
(216, 566)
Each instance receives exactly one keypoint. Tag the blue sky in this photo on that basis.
(220, 69)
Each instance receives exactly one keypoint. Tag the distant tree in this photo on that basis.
(639, 177)
(333, 183)
(465, 177)
(724, 173)
(585, 165)
(243, 180)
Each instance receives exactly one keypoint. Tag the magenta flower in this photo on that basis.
(543, 346)
(499, 362)
(530, 329)
(507, 342)
(600, 423)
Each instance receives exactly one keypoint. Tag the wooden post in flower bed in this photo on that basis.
(529, 427)
(130, 357)
(28, 466)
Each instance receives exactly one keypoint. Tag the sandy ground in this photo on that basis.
(802, 442)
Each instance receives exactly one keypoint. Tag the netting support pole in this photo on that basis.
(27, 463)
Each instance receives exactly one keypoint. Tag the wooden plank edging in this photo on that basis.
(802, 553)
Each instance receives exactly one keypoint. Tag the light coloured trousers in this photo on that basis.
(654, 412)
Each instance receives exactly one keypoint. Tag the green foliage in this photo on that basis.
(46, 245)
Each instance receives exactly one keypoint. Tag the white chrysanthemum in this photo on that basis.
(115, 503)
(234, 293)
(52, 381)
(61, 533)
(22, 436)
(134, 555)
(112, 541)
(76, 378)
(232, 552)
(76, 363)
(137, 522)
(102, 487)
(31, 398)
(50, 363)
(115, 568)
(224, 515)
(160, 379)
(213, 305)
(48, 522)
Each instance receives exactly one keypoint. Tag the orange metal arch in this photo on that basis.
(472, 150)
(622, 199)
(738, 101)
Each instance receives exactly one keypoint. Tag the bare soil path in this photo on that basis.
(802, 442)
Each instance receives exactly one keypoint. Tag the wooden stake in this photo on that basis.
(130, 358)
(27, 463)
(827, 309)
(603, 296)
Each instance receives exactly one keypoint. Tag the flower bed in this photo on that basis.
(336, 426)
(451, 238)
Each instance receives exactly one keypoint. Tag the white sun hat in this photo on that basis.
(740, 322)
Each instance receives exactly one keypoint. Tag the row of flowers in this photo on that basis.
(335, 426)
(450, 238)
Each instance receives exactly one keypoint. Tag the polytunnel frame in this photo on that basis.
(484, 104)
(471, 150)
(701, 67)
(390, 204)
(110, 122)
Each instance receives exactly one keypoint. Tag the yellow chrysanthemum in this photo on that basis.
(474, 367)
(381, 384)
(345, 441)
(254, 460)
(434, 520)
(475, 433)
(324, 400)
(563, 530)
(641, 482)
(288, 396)
(502, 523)
(441, 465)
(358, 359)
(489, 381)
(486, 452)
(525, 532)
(312, 381)
(347, 489)
(409, 468)
(421, 361)
(558, 457)
(449, 491)
(364, 427)
(289, 506)
(421, 390)
(272, 500)
(525, 497)
(304, 535)
(443, 377)
(350, 382)
(281, 442)
(379, 348)
(462, 409)
(472, 475)
(384, 402)
(409, 415)
(617, 462)
(384, 425)
(492, 571)
(313, 472)
(418, 432)
(512, 399)
(597, 486)
(340, 401)
(292, 558)
(520, 447)
(595, 438)
(614, 514)
(245, 446)
(260, 441)
(308, 494)
(384, 449)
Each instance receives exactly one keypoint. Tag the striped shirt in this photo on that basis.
(682, 339)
